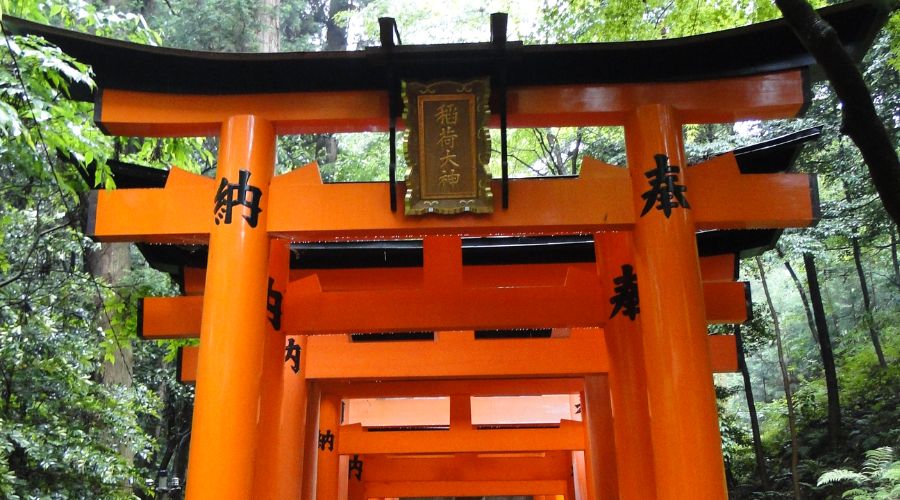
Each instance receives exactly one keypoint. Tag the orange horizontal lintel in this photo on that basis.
(308, 310)
(354, 439)
(726, 301)
(712, 268)
(169, 317)
(455, 355)
(452, 355)
(722, 267)
(723, 353)
(335, 357)
(451, 489)
(194, 280)
(759, 97)
(579, 302)
(468, 467)
(304, 209)
(147, 114)
(187, 364)
(723, 198)
(436, 388)
(181, 212)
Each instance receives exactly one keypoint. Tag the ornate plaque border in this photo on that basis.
(416, 201)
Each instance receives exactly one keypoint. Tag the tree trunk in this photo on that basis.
(860, 120)
(761, 469)
(269, 26)
(809, 315)
(335, 34)
(335, 40)
(788, 394)
(867, 305)
(831, 381)
(894, 260)
(826, 293)
(109, 264)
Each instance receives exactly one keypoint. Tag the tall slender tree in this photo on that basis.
(786, 383)
(824, 341)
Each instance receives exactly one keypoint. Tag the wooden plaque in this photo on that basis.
(448, 148)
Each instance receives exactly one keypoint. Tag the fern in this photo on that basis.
(838, 475)
(856, 494)
(892, 474)
(879, 479)
(877, 461)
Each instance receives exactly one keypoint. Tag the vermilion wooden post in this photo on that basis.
(356, 489)
(627, 378)
(266, 481)
(570, 486)
(293, 440)
(684, 424)
(311, 433)
(223, 442)
(328, 469)
(282, 436)
(600, 450)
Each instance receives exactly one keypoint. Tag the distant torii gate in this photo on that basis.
(643, 218)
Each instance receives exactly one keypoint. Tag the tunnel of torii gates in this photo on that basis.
(591, 294)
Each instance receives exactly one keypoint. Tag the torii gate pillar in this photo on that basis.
(684, 423)
(233, 327)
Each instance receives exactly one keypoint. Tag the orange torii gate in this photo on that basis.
(643, 218)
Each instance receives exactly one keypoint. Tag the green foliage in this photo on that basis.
(606, 21)
(878, 479)
(62, 430)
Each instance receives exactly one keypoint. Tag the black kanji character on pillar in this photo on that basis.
(626, 296)
(292, 353)
(230, 195)
(665, 192)
(326, 439)
(273, 305)
(577, 408)
(356, 466)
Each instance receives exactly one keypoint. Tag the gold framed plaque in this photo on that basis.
(447, 148)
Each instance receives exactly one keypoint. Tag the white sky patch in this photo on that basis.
(448, 21)
(746, 128)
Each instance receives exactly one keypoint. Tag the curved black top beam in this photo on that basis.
(774, 155)
(755, 49)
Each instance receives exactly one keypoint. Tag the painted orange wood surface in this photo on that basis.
(725, 195)
(433, 388)
(468, 467)
(404, 489)
(355, 439)
(282, 403)
(333, 358)
(418, 411)
(179, 213)
(718, 267)
(684, 425)
(381, 310)
(628, 375)
(579, 303)
(712, 268)
(599, 436)
(454, 355)
(304, 209)
(777, 95)
(233, 329)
